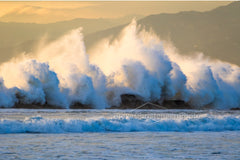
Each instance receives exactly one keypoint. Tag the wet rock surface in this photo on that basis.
(134, 102)
(129, 101)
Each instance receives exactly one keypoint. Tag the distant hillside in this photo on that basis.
(19, 37)
(216, 32)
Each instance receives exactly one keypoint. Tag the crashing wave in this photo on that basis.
(136, 63)
(39, 124)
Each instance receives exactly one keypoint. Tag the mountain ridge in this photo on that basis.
(15, 35)
(215, 33)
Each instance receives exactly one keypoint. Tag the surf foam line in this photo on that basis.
(137, 62)
(39, 124)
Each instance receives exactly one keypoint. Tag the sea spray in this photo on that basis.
(7, 96)
(33, 83)
(209, 82)
(80, 81)
(136, 62)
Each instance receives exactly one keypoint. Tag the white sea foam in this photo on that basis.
(137, 62)
(124, 123)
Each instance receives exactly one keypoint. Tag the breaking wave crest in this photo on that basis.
(39, 124)
(137, 62)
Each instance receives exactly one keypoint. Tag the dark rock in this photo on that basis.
(235, 108)
(80, 106)
(36, 106)
(176, 104)
(130, 101)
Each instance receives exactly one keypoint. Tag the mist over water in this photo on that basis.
(136, 62)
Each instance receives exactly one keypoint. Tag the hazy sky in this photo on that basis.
(45, 12)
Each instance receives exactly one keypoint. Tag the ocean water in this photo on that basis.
(119, 134)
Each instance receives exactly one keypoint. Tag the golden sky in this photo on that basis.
(50, 11)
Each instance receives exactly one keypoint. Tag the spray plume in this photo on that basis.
(137, 62)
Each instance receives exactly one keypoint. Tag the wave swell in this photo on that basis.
(39, 124)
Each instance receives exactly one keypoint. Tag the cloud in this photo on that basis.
(32, 10)
(46, 12)
(58, 11)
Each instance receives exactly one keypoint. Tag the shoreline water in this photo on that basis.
(79, 121)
